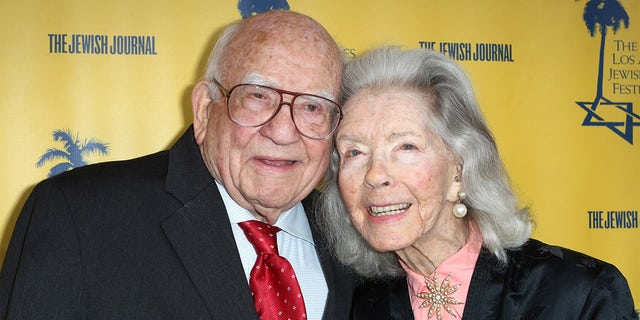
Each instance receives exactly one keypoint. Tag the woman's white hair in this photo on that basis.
(456, 119)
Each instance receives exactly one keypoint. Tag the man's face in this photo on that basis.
(269, 168)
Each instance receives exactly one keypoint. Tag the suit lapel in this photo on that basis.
(485, 290)
(200, 233)
(206, 247)
(399, 301)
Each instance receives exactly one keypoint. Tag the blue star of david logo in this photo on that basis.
(621, 127)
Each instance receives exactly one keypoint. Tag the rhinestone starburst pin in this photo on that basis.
(439, 297)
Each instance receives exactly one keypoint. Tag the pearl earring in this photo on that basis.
(459, 209)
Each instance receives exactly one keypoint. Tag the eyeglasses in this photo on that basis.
(252, 105)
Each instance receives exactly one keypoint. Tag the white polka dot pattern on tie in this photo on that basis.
(277, 295)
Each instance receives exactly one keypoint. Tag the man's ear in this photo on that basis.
(200, 105)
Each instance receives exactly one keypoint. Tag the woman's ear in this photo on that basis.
(200, 105)
(456, 184)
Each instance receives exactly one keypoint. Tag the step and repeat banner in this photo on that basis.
(85, 81)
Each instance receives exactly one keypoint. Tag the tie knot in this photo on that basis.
(261, 235)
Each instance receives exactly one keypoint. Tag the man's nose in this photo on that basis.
(281, 129)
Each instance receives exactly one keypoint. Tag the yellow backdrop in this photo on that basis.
(569, 135)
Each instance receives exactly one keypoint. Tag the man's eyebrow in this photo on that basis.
(253, 77)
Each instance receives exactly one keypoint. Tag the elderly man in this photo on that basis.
(178, 234)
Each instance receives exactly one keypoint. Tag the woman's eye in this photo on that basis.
(352, 153)
(408, 147)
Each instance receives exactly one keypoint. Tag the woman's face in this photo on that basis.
(396, 177)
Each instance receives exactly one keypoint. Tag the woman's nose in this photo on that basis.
(377, 175)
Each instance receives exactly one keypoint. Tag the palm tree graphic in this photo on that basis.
(73, 153)
(249, 8)
(599, 16)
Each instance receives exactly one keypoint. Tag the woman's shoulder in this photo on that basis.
(537, 253)
(568, 272)
(560, 261)
(554, 282)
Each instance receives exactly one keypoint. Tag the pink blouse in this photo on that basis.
(459, 267)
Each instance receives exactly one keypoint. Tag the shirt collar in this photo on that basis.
(293, 221)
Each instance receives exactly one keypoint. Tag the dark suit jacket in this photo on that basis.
(147, 238)
(539, 282)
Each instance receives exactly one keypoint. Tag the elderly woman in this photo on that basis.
(427, 212)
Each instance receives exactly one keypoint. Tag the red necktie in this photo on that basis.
(273, 283)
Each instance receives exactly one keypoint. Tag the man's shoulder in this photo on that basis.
(120, 172)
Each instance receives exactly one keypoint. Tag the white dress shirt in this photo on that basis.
(294, 243)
